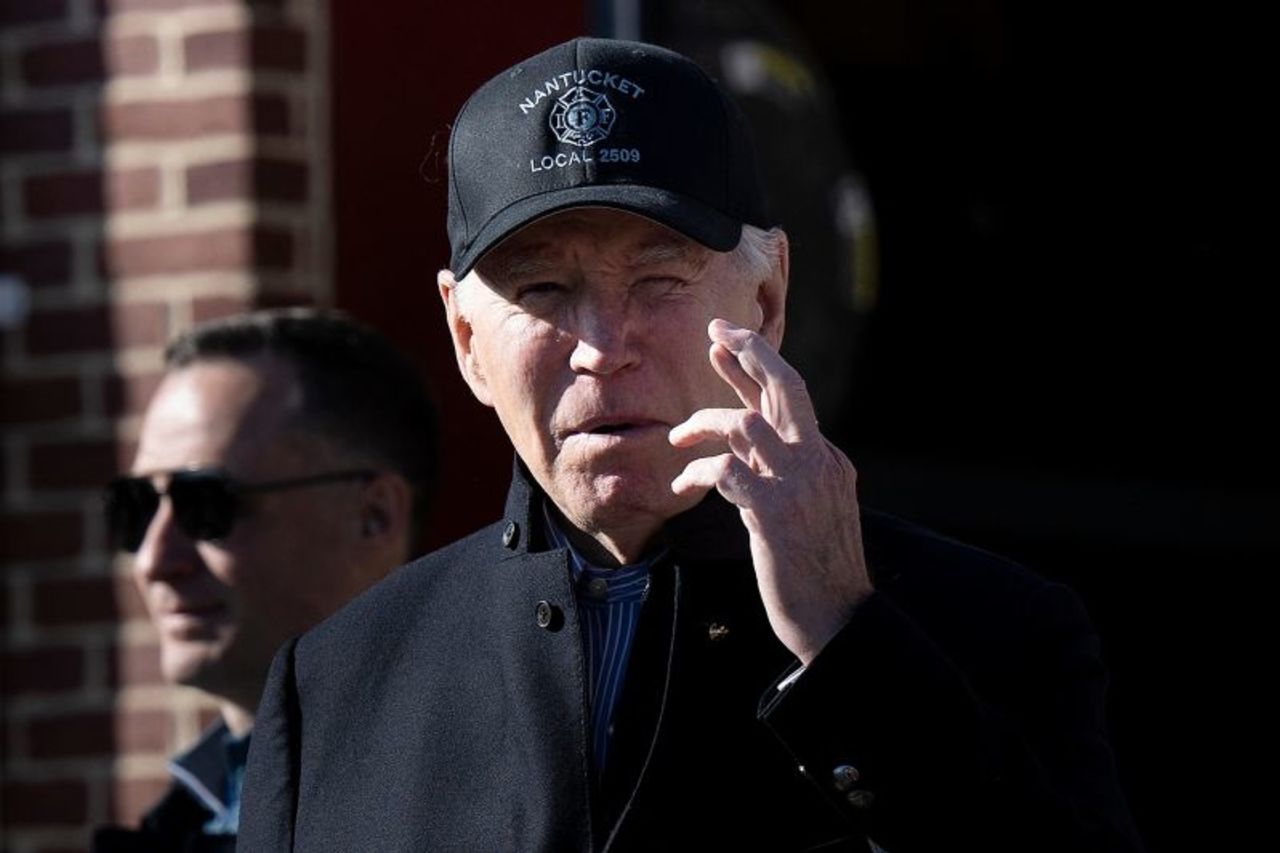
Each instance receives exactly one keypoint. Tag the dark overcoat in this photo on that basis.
(961, 708)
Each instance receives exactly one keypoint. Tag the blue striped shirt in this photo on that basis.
(609, 602)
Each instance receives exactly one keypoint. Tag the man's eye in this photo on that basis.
(660, 284)
(537, 289)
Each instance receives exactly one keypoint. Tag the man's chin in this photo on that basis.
(616, 500)
(197, 665)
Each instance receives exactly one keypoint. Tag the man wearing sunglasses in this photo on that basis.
(283, 467)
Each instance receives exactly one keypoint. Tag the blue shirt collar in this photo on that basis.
(213, 771)
(583, 569)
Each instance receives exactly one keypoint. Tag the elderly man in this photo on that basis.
(684, 633)
(283, 467)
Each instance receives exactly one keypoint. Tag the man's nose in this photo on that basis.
(165, 550)
(605, 338)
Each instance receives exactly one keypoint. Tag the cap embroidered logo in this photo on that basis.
(582, 117)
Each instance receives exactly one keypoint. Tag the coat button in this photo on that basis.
(844, 777)
(547, 615)
(511, 536)
(860, 799)
(717, 632)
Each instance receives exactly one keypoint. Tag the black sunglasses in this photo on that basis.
(206, 501)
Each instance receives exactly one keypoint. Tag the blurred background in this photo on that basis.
(1026, 276)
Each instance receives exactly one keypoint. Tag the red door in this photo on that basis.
(401, 70)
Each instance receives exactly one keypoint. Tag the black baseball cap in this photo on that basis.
(601, 123)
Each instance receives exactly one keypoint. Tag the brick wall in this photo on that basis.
(163, 162)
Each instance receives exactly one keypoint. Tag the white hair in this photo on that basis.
(759, 252)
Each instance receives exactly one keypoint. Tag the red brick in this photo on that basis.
(62, 194)
(51, 669)
(131, 798)
(143, 731)
(74, 465)
(58, 602)
(208, 182)
(70, 735)
(226, 249)
(279, 48)
(191, 118)
(135, 665)
(64, 63)
(108, 7)
(133, 188)
(98, 733)
(36, 130)
(129, 395)
(133, 55)
(264, 179)
(29, 401)
(222, 49)
(214, 307)
(273, 249)
(63, 802)
(31, 11)
(40, 535)
(280, 180)
(82, 192)
(41, 263)
(272, 48)
(90, 60)
(97, 328)
(271, 115)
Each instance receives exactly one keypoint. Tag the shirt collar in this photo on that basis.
(579, 565)
(203, 769)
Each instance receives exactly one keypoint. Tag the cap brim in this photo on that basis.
(695, 220)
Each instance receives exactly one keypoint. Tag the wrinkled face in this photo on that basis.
(222, 607)
(587, 333)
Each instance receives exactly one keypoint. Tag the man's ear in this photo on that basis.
(771, 297)
(386, 516)
(460, 331)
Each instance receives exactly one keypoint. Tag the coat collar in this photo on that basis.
(711, 530)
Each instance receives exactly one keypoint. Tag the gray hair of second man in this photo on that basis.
(358, 391)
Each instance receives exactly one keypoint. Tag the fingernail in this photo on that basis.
(721, 330)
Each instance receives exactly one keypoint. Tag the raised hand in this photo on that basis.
(795, 490)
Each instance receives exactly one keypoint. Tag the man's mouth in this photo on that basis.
(613, 426)
(192, 622)
(610, 429)
(169, 607)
